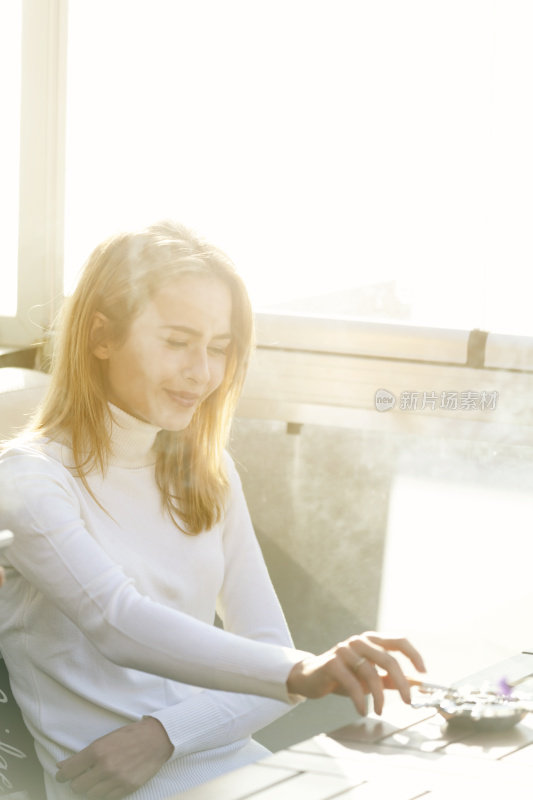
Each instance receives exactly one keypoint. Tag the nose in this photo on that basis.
(196, 367)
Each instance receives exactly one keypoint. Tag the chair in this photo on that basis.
(21, 776)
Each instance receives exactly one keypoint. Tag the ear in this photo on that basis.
(100, 336)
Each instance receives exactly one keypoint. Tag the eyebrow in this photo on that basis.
(194, 332)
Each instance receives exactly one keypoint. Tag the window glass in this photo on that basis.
(10, 52)
(366, 160)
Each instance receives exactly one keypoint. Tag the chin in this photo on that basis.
(176, 428)
(170, 423)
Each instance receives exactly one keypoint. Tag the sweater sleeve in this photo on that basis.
(54, 551)
(248, 606)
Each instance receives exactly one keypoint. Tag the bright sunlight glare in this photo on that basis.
(371, 160)
(458, 542)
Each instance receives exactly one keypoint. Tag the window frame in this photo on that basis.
(42, 171)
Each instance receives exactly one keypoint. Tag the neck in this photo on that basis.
(132, 440)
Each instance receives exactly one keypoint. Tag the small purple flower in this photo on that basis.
(504, 687)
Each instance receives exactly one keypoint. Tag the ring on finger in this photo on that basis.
(358, 664)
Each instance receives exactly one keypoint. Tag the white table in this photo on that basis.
(407, 754)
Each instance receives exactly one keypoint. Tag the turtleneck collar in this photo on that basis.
(132, 440)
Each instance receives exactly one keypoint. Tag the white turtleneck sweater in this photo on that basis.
(107, 616)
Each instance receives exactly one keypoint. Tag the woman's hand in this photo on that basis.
(120, 762)
(349, 669)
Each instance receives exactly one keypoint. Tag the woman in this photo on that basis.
(131, 530)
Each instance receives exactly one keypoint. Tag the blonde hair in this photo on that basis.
(119, 278)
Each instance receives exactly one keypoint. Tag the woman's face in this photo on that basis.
(174, 355)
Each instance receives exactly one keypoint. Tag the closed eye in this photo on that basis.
(219, 351)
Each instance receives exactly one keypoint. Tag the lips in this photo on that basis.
(184, 399)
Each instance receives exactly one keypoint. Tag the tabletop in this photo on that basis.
(408, 753)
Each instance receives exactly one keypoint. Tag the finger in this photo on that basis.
(400, 644)
(107, 789)
(366, 674)
(388, 683)
(396, 678)
(387, 662)
(374, 686)
(349, 684)
(74, 766)
(117, 794)
(112, 789)
(87, 782)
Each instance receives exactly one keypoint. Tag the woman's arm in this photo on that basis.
(208, 719)
(56, 554)
(358, 666)
(248, 606)
(126, 758)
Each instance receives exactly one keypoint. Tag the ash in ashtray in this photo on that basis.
(474, 706)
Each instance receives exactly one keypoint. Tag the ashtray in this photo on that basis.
(479, 708)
